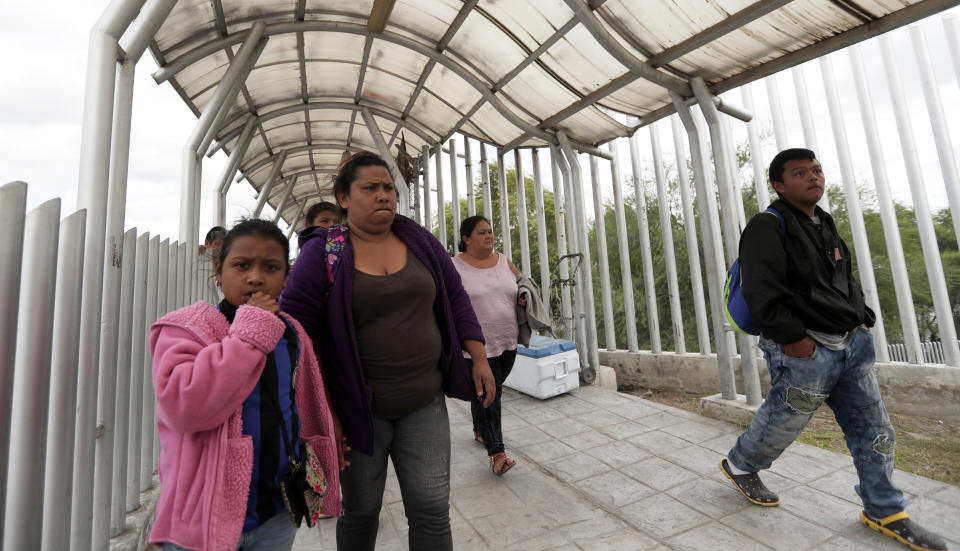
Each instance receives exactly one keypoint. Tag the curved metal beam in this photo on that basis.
(292, 148)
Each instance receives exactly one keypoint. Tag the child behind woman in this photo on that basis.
(237, 385)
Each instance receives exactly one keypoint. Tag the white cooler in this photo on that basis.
(548, 367)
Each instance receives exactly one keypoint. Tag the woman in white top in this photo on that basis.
(491, 281)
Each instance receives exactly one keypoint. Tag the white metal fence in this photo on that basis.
(932, 352)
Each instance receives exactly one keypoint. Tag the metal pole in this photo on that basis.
(586, 275)
(941, 132)
(13, 204)
(273, 177)
(468, 172)
(295, 221)
(626, 275)
(58, 480)
(666, 231)
(485, 182)
(398, 181)
(135, 249)
(183, 257)
(756, 151)
(145, 298)
(855, 215)
(600, 229)
(158, 304)
(283, 199)
(776, 112)
(729, 148)
(31, 384)
(230, 170)
(521, 189)
(102, 54)
(928, 238)
(427, 223)
(803, 103)
(953, 44)
(560, 213)
(504, 208)
(888, 217)
(650, 291)
(690, 233)
(713, 246)
(455, 192)
(441, 199)
(543, 253)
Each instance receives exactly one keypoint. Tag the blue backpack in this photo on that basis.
(735, 306)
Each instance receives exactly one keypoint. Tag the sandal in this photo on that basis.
(899, 527)
(500, 463)
(477, 437)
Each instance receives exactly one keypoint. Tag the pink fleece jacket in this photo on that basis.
(203, 370)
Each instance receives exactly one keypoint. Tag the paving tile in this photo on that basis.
(777, 528)
(511, 421)
(624, 430)
(695, 431)
(526, 436)
(839, 484)
(576, 467)
(711, 537)
(575, 407)
(660, 419)
(475, 471)
(594, 528)
(656, 441)
(934, 515)
(549, 541)
(696, 459)
(561, 428)
(799, 467)
(662, 516)
(723, 443)
(916, 484)
(510, 527)
(949, 495)
(613, 489)
(552, 499)
(601, 418)
(658, 473)
(635, 410)
(587, 440)
(483, 500)
(819, 508)
(618, 453)
(608, 399)
(709, 497)
(628, 539)
(528, 403)
(842, 543)
(546, 451)
(541, 415)
(829, 458)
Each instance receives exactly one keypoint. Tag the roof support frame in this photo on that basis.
(291, 149)
(377, 136)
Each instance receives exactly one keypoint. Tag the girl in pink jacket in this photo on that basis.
(239, 398)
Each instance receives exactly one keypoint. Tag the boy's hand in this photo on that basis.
(264, 301)
(803, 348)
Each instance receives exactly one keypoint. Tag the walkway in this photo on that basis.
(600, 470)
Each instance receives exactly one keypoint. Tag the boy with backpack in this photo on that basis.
(798, 284)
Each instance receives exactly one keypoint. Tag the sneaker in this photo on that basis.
(901, 528)
(751, 487)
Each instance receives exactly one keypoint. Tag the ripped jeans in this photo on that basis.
(847, 381)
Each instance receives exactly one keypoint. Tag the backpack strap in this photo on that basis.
(336, 241)
(783, 223)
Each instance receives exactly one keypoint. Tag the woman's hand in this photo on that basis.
(521, 301)
(483, 381)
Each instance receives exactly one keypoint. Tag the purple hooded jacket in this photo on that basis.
(326, 313)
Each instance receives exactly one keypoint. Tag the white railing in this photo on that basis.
(932, 352)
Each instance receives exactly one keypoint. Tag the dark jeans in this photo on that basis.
(419, 445)
(486, 421)
(847, 381)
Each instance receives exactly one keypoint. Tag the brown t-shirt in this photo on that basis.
(398, 337)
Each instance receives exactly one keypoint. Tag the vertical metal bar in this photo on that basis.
(58, 479)
(690, 233)
(284, 198)
(295, 221)
(273, 177)
(230, 170)
(776, 112)
(928, 238)
(427, 222)
(398, 180)
(454, 191)
(441, 196)
(583, 243)
(888, 216)
(953, 44)
(578, 326)
(650, 291)
(600, 230)
(756, 151)
(121, 418)
(182, 274)
(485, 182)
(521, 188)
(736, 192)
(855, 215)
(468, 173)
(559, 210)
(626, 275)
(543, 252)
(146, 283)
(504, 207)
(713, 245)
(31, 384)
(803, 103)
(13, 204)
(166, 267)
(666, 231)
(941, 132)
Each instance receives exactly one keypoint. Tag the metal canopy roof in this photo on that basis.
(508, 72)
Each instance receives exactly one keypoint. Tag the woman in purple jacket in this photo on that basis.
(384, 304)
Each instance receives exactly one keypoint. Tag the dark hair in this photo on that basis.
(781, 159)
(467, 227)
(255, 227)
(216, 232)
(348, 172)
(323, 206)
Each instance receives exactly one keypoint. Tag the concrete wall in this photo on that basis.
(929, 391)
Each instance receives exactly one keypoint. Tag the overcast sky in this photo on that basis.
(41, 98)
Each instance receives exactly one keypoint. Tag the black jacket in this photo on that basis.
(800, 278)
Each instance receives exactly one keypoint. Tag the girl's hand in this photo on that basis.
(264, 301)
